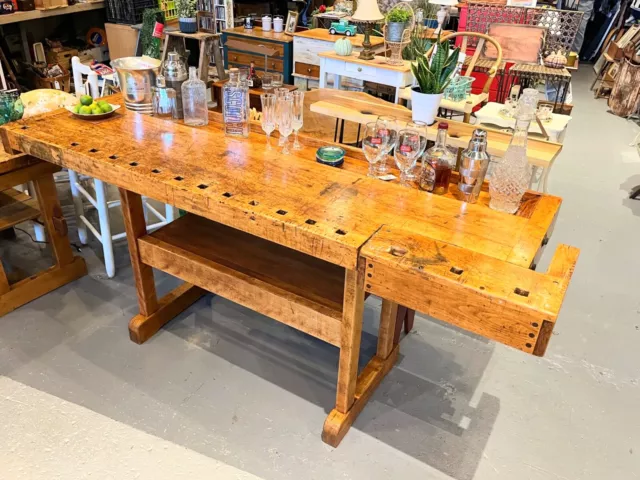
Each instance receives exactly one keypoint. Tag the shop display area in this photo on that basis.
(319, 240)
(222, 389)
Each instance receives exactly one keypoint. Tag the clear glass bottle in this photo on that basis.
(235, 105)
(511, 177)
(437, 164)
(164, 100)
(194, 100)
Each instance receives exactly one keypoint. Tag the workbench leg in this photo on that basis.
(354, 390)
(153, 313)
(67, 267)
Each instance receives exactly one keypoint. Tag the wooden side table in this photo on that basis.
(17, 207)
(376, 71)
(309, 44)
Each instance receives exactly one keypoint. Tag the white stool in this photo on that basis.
(104, 235)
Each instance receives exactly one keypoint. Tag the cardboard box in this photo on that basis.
(48, 4)
(62, 56)
(122, 40)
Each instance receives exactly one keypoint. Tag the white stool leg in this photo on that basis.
(169, 213)
(105, 227)
(78, 206)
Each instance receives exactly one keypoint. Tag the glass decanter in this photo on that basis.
(511, 177)
(437, 164)
(235, 106)
(194, 100)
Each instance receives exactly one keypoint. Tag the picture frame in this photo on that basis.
(292, 22)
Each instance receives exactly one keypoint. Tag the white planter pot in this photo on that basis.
(424, 106)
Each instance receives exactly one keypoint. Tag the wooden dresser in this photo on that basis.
(241, 47)
(308, 44)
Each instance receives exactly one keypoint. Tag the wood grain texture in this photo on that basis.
(47, 195)
(16, 207)
(330, 212)
(136, 227)
(29, 289)
(498, 300)
(142, 328)
(386, 332)
(338, 423)
(323, 34)
(350, 335)
(291, 287)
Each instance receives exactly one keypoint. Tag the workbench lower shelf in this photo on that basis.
(294, 288)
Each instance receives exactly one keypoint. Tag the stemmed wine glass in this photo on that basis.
(386, 125)
(298, 112)
(280, 94)
(268, 115)
(285, 117)
(421, 127)
(372, 146)
(406, 153)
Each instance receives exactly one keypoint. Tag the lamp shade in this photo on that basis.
(367, 11)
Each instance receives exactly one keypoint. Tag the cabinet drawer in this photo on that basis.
(238, 58)
(307, 70)
(360, 70)
(251, 45)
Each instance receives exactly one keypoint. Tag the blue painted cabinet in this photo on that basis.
(273, 51)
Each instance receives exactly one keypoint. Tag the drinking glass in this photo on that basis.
(298, 112)
(284, 121)
(280, 93)
(268, 115)
(267, 81)
(421, 127)
(406, 153)
(277, 79)
(386, 128)
(372, 146)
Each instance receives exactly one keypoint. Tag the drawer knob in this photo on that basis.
(308, 70)
(235, 57)
(359, 69)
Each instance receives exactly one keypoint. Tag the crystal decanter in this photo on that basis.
(511, 177)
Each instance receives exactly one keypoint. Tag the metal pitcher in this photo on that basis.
(473, 166)
(137, 75)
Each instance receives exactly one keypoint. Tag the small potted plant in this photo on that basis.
(187, 15)
(397, 21)
(433, 73)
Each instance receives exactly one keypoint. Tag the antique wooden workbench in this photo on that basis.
(304, 243)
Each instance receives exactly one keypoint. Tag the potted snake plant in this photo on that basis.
(187, 15)
(432, 73)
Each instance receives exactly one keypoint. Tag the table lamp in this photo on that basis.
(368, 14)
(443, 12)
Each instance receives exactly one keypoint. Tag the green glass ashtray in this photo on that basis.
(332, 156)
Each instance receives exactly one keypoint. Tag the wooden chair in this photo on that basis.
(99, 200)
(492, 66)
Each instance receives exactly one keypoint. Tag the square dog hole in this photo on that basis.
(309, 221)
(457, 271)
(227, 194)
(202, 186)
(521, 292)
(281, 212)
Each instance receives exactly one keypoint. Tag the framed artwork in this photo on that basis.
(520, 43)
(292, 22)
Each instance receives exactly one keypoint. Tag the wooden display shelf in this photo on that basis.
(291, 287)
(51, 12)
(16, 207)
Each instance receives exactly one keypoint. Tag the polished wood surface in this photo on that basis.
(330, 213)
(323, 34)
(258, 33)
(379, 61)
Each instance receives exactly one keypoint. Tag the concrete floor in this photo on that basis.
(222, 392)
